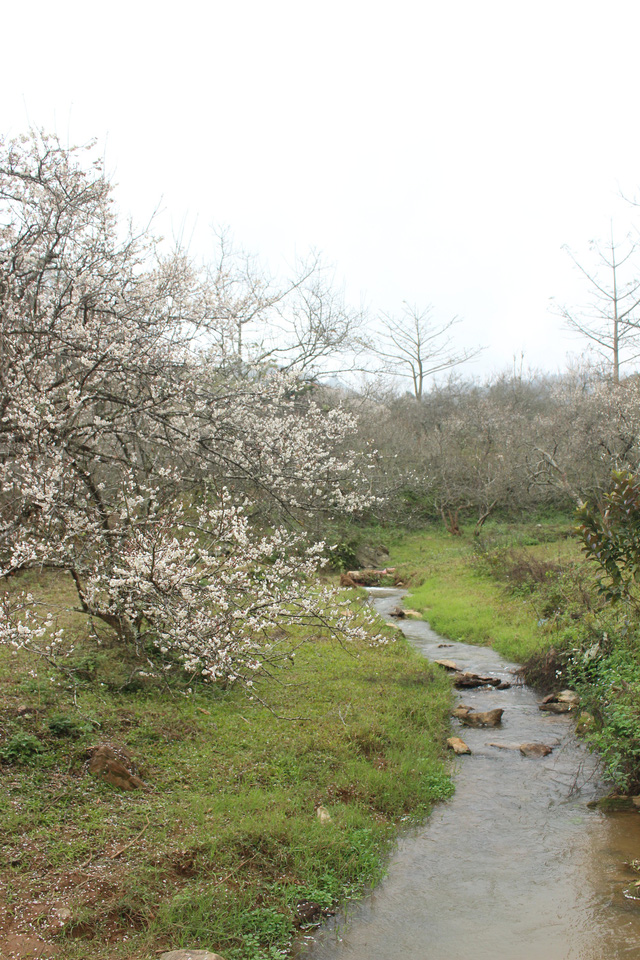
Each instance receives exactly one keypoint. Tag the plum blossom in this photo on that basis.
(166, 479)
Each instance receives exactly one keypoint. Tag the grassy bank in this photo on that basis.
(456, 582)
(223, 842)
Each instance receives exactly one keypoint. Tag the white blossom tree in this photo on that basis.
(131, 454)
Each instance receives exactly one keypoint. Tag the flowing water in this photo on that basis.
(516, 866)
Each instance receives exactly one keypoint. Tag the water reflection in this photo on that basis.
(516, 866)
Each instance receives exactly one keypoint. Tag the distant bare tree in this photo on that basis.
(414, 346)
(312, 330)
(300, 322)
(611, 320)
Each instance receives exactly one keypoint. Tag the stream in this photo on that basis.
(516, 866)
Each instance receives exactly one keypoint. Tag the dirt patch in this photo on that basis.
(18, 946)
(40, 907)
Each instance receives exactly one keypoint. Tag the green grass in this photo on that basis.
(452, 588)
(224, 844)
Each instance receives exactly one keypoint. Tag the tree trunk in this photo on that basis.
(484, 516)
(450, 520)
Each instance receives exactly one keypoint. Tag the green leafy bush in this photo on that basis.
(66, 725)
(607, 674)
(344, 555)
(21, 748)
(610, 533)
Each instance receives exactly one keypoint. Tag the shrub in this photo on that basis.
(21, 748)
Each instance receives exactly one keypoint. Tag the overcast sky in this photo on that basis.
(435, 153)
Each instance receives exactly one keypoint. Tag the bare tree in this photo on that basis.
(611, 319)
(413, 346)
(312, 329)
(299, 322)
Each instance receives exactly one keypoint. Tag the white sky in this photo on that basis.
(434, 152)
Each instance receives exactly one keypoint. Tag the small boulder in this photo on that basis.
(366, 577)
(26, 711)
(369, 556)
(323, 815)
(310, 913)
(614, 803)
(563, 702)
(490, 718)
(457, 745)
(464, 680)
(448, 665)
(554, 707)
(114, 768)
(461, 711)
(535, 750)
(568, 696)
(60, 916)
(584, 723)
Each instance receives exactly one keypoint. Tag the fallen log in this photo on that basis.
(364, 578)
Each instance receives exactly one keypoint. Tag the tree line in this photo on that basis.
(513, 444)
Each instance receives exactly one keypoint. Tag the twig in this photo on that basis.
(112, 856)
(272, 711)
(341, 717)
(235, 870)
